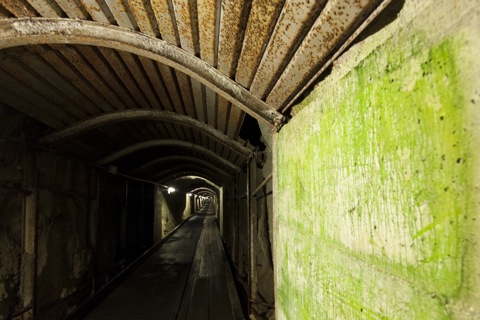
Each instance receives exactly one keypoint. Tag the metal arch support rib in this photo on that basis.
(202, 189)
(142, 114)
(27, 31)
(168, 175)
(166, 143)
(178, 159)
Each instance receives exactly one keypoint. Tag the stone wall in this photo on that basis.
(376, 181)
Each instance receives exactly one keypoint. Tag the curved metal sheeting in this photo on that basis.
(158, 162)
(190, 170)
(185, 177)
(209, 60)
(203, 189)
(19, 32)
(142, 114)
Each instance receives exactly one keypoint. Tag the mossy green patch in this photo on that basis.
(372, 190)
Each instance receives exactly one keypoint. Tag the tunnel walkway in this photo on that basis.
(181, 280)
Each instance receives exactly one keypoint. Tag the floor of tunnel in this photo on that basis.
(188, 277)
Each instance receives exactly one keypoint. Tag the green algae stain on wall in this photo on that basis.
(372, 192)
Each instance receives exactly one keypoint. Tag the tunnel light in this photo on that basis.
(170, 190)
(189, 194)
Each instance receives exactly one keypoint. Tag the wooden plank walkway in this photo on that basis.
(188, 277)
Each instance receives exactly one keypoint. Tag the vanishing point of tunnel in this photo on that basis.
(239, 159)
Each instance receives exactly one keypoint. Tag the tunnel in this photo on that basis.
(247, 159)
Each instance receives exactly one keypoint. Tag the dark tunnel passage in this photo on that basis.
(250, 159)
(93, 225)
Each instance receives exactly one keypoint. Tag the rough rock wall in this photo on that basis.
(66, 228)
(64, 250)
(377, 180)
(188, 211)
(11, 253)
(91, 225)
(15, 253)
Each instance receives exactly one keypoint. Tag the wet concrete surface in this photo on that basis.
(168, 284)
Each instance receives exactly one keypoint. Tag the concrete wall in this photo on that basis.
(377, 180)
(188, 211)
(172, 207)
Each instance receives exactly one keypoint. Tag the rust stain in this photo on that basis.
(263, 16)
(184, 24)
(121, 13)
(19, 8)
(46, 9)
(72, 9)
(165, 20)
(207, 12)
(230, 31)
(99, 11)
(329, 28)
(256, 44)
(295, 20)
(142, 17)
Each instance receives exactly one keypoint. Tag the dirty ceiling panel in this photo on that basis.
(238, 57)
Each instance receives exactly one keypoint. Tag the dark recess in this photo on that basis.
(250, 131)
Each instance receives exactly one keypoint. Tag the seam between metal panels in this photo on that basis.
(244, 17)
(195, 26)
(218, 16)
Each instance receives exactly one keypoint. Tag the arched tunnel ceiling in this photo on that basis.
(167, 70)
(164, 176)
(149, 169)
(194, 184)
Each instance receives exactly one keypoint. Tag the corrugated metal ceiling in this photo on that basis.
(215, 60)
